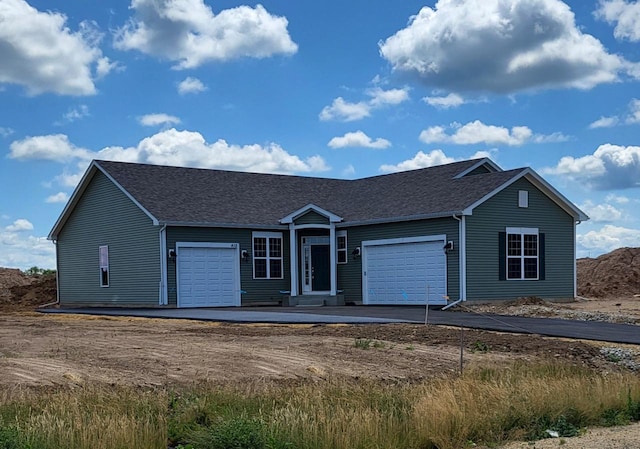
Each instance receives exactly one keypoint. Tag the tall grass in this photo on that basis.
(483, 406)
(93, 418)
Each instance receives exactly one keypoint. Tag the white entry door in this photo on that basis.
(208, 274)
(402, 272)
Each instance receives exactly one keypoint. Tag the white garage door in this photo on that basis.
(208, 275)
(399, 272)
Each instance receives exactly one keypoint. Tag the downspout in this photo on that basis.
(163, 299)
(462, 236)
(575, 257)
(57, 301)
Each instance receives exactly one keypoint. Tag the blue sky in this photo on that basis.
(332, 88)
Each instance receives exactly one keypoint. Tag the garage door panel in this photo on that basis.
(208, 276)
(399, 273)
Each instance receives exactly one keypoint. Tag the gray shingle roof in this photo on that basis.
(198, 196)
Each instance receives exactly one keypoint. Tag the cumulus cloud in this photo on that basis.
(502, 46)
(619, 199)
(420, 160)
(60, 197)
(40, 52)
(348, 112)
(52, 147)
(608, 238)
(158, 119)
(449, 101)
(625, 15)
(358, 139)
(20, 225)
(5, 132)
(477, 132)
(349, 171)
(191, 85)
(190, 34)
(601, 213)
(169, 147)
(345, 111)
(609, 167)
(21, 250)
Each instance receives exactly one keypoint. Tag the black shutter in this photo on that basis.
(502, 256)
(541, 261)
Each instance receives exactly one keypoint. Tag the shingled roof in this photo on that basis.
(191, 196)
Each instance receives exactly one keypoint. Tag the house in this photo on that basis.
(153, 236)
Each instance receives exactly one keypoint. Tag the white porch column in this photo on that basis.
(293, 258)
(332, 259)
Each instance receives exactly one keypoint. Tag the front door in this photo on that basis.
(320, 273)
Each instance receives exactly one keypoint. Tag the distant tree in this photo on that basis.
(37, 271)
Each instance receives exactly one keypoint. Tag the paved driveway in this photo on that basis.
(588, 330)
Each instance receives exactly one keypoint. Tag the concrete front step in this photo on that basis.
(313, 301)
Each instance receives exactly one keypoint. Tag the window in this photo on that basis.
(267, 255)
(522, 253)
(341, 246)
(523, 198)
(103, 255)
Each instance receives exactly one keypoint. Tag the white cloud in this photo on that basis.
(450, 101)
(609, 167)
(106, 66)
(604, 122)
(619, 199)
(477, 132)
(191, 85)
(501, 46)
(625, 15)
(634, 112)
(19, 250)
(158, 119)
(74, 114)
(380, 97)
(53, 147)
(345, 111)
(5, 132)
(170, 147)
(349, 171)
(420, 160)
(349, 112)
(608, 238)
(40, 52)
(632, 117)
(358, 139)
(190, 34)
(601, 213)
(20, 225)
(60, 197)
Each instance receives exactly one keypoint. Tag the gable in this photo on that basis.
(311, 217)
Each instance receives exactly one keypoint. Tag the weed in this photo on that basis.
(363, 343)
(410, 348)
(378, 344)
(480, 346)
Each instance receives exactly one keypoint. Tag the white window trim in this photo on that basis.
(522, 232)
(268, 258)
(104, 264)
(346, 245)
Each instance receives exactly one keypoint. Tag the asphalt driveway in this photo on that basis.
(587, 330)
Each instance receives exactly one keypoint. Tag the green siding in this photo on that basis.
(350, 274)
(106, 216)
(311, 217)
(256, 290)
(502, 211)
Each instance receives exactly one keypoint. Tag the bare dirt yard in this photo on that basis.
(49, 351)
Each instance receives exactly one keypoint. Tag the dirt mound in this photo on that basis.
(20, 291)
(612, 275)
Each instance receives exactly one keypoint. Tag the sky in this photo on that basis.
(340, 89)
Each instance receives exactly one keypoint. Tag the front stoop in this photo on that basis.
(313, 300)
